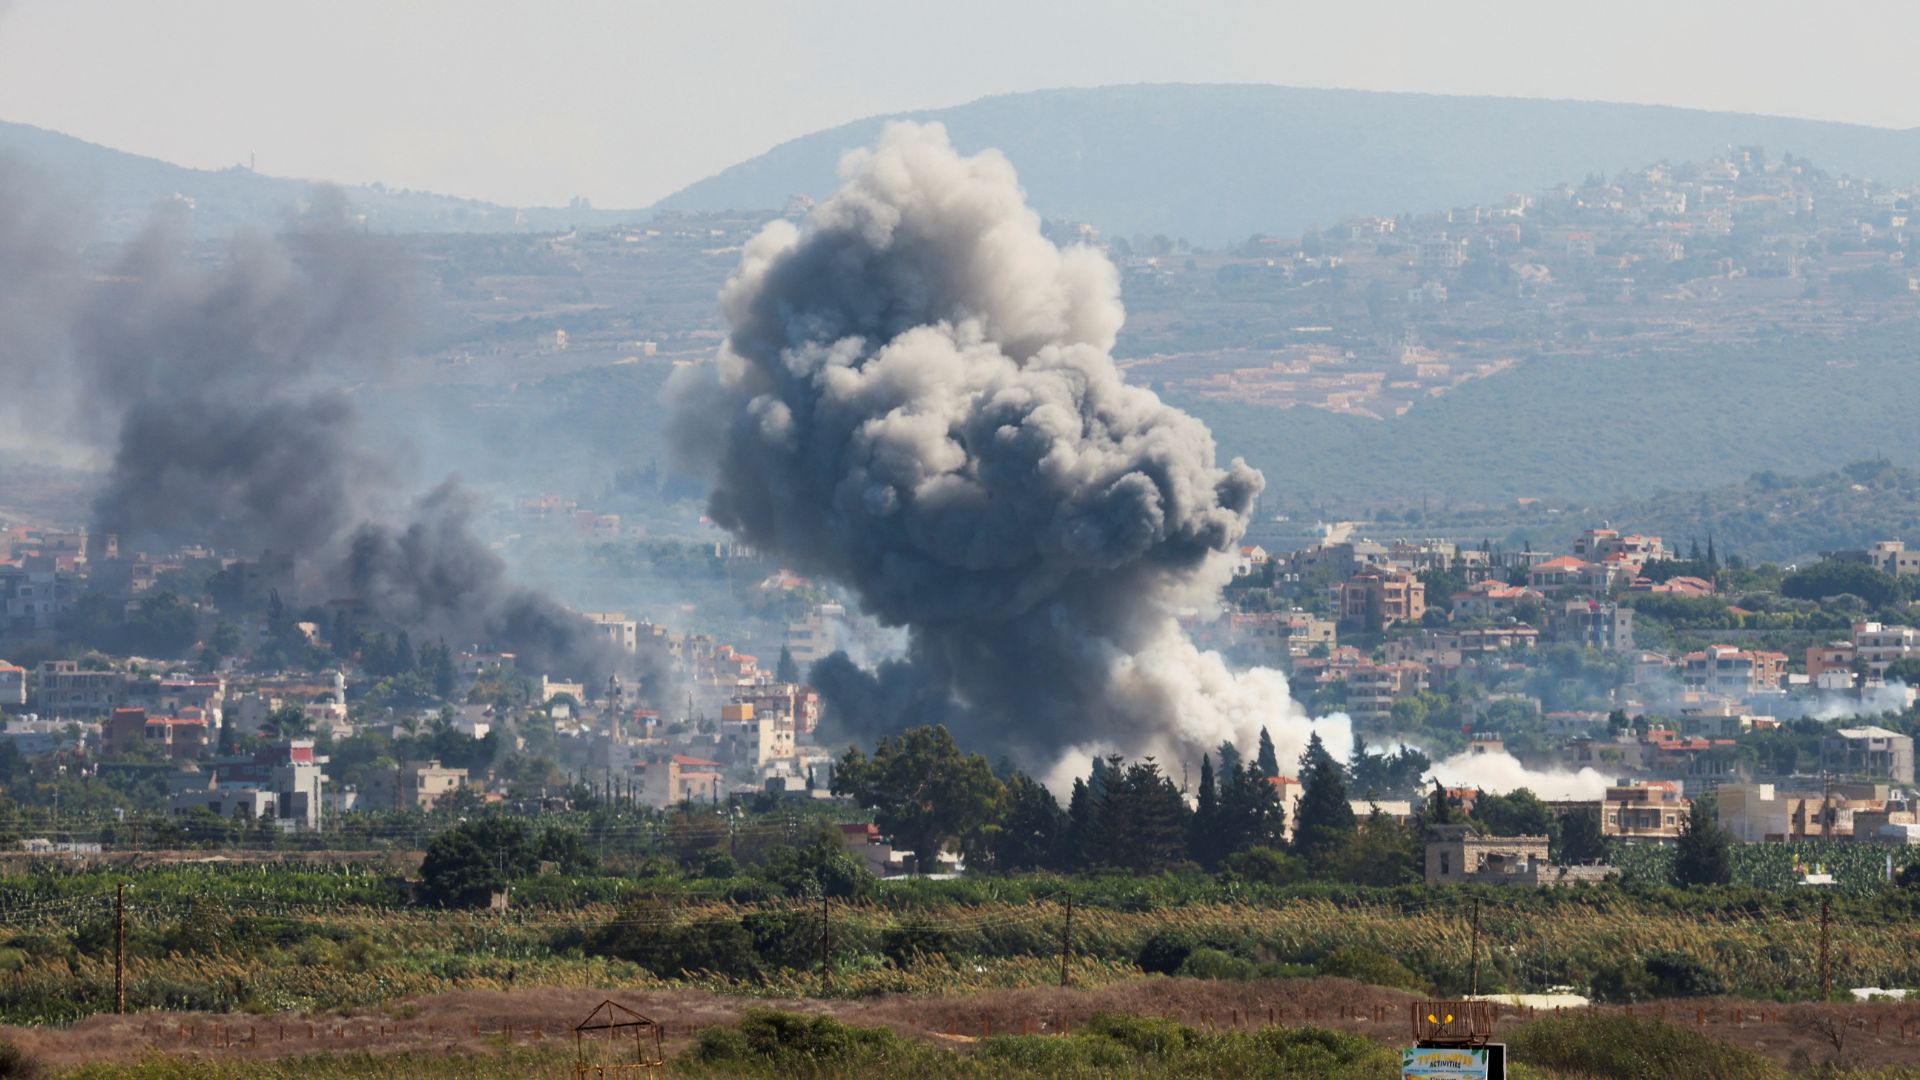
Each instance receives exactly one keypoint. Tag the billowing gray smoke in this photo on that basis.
(916, 399)
(229, 384)
(433, 573)
(222, 396)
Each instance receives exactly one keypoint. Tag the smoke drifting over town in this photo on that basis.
(917, 400)
(219, 398)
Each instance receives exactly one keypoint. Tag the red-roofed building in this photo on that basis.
(1675, 586)
(182, 736)
(1489, 599)
(683, 778)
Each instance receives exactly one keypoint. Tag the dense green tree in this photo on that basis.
(467, 864)
(1517, 813)
(1033, 832)
(923, 789)
(1140, 820)
(1389, 776)
(1325, 819)
(286, 721)
(1704, 853)
(819, 864)
(786, 670)
(1250, 813)
(1832, 578)
(1581, 838)
(1378, 851)
(1269, 761)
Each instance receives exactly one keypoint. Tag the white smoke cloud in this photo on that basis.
(1500, 773)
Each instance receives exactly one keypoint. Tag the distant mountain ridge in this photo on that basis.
(119, 190)
(1215, 164)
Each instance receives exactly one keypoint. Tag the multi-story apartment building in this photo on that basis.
(1644, 810)
(1594, 624)
(1731, 672)
(1375, 598)
(1869, 753)
(1373, 688)
(66, 690)
(1876, 647)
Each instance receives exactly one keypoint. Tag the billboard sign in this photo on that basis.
(1448, 1063)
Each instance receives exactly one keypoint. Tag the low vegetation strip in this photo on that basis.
(298, 939)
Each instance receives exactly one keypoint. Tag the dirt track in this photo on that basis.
(477, 1020)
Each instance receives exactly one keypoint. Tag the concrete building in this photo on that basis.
(1375, 599)
(800, 705)
(1769, 813)
(1886, 556)
(1280, 635)
(32, 601)
(66, 690)
(283, 783)
(1869, 753)
(185, 736)
(1644, 810)
(1731, 672)
(1593, 624)
(13, 687)
(755, 738)
(1373, 688)
(1876, 646)
(815, 637)
(622, 631)
(1461, 855)
(682, 778)
(424, 783)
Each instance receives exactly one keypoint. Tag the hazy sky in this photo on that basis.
(624, 102)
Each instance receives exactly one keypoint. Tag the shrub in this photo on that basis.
(1615, 1047)
(1164, 952)
(790, 1041)
(1369, 966)
(1150, 1035)
(1204, 963)
(15, 1063)
(1679, 975)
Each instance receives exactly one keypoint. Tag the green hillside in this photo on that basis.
(1777, 517)
(1215, 164)
(1599, 430)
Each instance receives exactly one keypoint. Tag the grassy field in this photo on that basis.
(298, 939)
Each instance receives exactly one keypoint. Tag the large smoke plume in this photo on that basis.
(917, 400)
(218, 394)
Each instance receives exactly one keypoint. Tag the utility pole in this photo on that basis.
(120, 949)
(1826, 953)
(1473, 965)
(826, 955)
(1066, 943)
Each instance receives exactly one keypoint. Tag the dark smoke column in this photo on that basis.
(917, 400)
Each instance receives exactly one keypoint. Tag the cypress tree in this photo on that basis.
(1203, 842)
(1080, 826)
(1268, 759)
(1229, 757)
(1704, 853)
(1325, 818)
